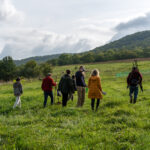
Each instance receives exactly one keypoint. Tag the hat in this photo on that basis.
(49, 74)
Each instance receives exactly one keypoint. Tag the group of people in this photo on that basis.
(68, 85)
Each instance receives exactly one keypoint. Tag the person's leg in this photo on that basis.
(136, 90)
(45, 98)
(16, 102)
(97, 104)
(19, 102)
(92, 103)
(79, 91)
(64, 99)
(131, 93)
(51, 96)
(72, 97)
(83, 96)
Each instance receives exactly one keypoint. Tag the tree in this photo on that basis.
(45, 68)
(7, 69)
(87, 58)
(64, 59)
(31, 69)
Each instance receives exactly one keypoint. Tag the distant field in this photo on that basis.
(117, 125)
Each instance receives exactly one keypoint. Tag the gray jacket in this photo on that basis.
(17, 88)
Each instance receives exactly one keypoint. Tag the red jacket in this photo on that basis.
(47, 84)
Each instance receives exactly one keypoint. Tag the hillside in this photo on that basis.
(130, 42)
(38, 59)
(133, 46)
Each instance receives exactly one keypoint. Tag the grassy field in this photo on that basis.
(117, 125)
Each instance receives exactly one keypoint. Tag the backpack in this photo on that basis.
(134, 80)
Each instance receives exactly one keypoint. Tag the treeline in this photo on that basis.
(9, 71)
(90, 57)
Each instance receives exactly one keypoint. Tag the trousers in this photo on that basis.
(46, 94)
(81, 96)
(133, 90)
(18, 102)
(64, 99)
(93, 102)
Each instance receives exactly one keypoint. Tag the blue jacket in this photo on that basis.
(80, 79)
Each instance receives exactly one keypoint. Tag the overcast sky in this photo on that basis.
(40, 27)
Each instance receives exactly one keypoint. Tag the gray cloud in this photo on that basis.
(137, 24)
(31, 42)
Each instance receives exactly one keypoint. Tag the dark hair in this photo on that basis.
(18, 79)
(82, 67)
(134, 68)
(95, 72)
(68, 71)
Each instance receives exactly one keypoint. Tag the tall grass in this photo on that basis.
(116, 125)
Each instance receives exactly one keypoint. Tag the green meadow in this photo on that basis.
(118, 125)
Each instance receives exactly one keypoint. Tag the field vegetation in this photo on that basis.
(118, 125)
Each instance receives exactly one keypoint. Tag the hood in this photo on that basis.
(94, 77)
(16, 84)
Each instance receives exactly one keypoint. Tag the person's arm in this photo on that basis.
(89, 83)
(140, 78)
(42, 86)
(71, 86)
(128, 80)
(99, 84)
(53, 83)
(60, 84)
(21, 90)
(83, 80)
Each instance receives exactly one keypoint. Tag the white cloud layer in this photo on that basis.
(51, 29)
(21, 43)
(8, 12)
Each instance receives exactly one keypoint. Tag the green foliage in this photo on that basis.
(45, 68)
(31, 69)
(7, 69)
(117, 125)
(132, 46)
(38, 59)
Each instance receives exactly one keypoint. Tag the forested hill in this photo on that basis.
(132, 46)
(38, 59)
(130, 42)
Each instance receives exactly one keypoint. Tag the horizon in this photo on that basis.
(44, 28)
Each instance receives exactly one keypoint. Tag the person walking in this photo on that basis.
(133, 80)
(80, 83)
(17, 86)
(47, 85)
(95, 89)
(66, 87)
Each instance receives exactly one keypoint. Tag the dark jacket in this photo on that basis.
(17, 88)
(80, 79)
(66, 84)
(134, 78)
(47, 84)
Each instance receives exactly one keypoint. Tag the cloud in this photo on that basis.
(140, 23)
(26, 42)
(23, 43)
(8, 12)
